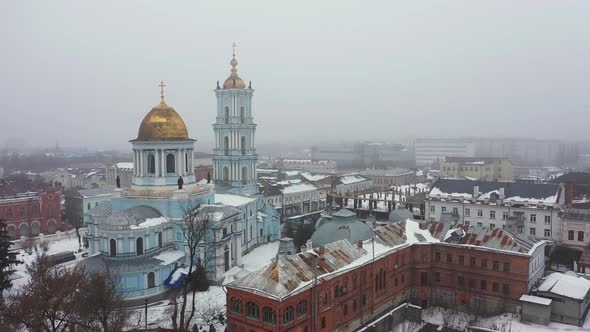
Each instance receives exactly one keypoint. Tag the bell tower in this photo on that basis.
(234, 155)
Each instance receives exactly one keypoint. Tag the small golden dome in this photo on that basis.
(162, 123)
(234, 81)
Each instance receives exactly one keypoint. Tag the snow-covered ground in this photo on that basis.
(20, 276)
(504, 323)
(212, 300)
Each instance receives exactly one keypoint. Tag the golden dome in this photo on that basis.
(162, 123)
(234, 81)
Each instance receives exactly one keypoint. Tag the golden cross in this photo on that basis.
(162, 85)
(234, 49)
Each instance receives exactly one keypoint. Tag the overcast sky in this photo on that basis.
(85, 73)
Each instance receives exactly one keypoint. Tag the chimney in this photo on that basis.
(501, 193)
(308, 245)
(321, 250)
(359, 244)
(569, 194)
(475, 191)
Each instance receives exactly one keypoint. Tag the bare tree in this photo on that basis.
(49, 302)
(194, 226)
(102, 307)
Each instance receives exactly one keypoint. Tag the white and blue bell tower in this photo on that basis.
(234, 155)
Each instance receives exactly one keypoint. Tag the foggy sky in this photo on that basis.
(85, 73)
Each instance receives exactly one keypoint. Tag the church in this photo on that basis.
(138, 236)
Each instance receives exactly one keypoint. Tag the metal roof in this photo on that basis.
(511, 189)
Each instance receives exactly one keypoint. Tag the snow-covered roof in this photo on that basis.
(150, 222)
(299, 187)
(233, 200)
(169, 256)
(514, 192)
(314, 177)
(535, 299)
(566, 285)
(350, 179)
(291, 273)
(124, 165)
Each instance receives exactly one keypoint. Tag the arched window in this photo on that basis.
(289, 315)
(24, 229)
(252, 310)
(226, 114)
(225, 174)
(269, 316)
(11, 230)
(301, 308)
(226, 145)
(9, 212)
(236, 305)
(35, 228)
(113, 247)
(244, 175)
(139, 243)
(242, 115)
(243, 145)
(170, 163)
(345, 309)
(151, 164)
(160, 239)
(151, 280)
(88, 207)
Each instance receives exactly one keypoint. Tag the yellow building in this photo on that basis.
(474, 168)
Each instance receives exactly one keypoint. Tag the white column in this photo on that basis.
(156, 163)
(139, 162)
(163, 162)
(134, 161)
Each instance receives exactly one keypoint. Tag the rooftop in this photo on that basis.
(472, 160)
(566, 285)
(515, 192)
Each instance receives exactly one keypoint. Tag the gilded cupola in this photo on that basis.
(162, 123)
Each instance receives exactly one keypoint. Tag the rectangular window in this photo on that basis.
(484, 285)
(455, 211)
(437, 256)
(467, 222)
(547, 233)
(449, 259)
(533, 231)
(547, 219)
(496, 266)
(492, 226)
(506, 289)
(492, 214)
(461, 260)
(22, 212)
(580, 236)
(495, 287)
(479, 213)
(460, 280)
(533, 218)
(423, 278)
(570, 235)
(505, 215)
(506, 267)
(443, 209)
(484, 264)
(432, 209)
(437, 276)
(468, 212)
(472, 261)
(479, 224)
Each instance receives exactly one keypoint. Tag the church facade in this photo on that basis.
(138, 236)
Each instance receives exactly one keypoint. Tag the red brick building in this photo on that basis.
(471, 268)
(30, 213)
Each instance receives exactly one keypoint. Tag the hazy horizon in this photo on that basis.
(85, 74)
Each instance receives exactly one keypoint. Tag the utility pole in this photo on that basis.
(145, 316)
(315, 301)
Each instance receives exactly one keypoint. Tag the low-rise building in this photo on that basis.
(79, 202)
(477, 168)
(386, 178)
(30, 213)
(341, 286)
(570, 297)
(351, 183)
(523, 208)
